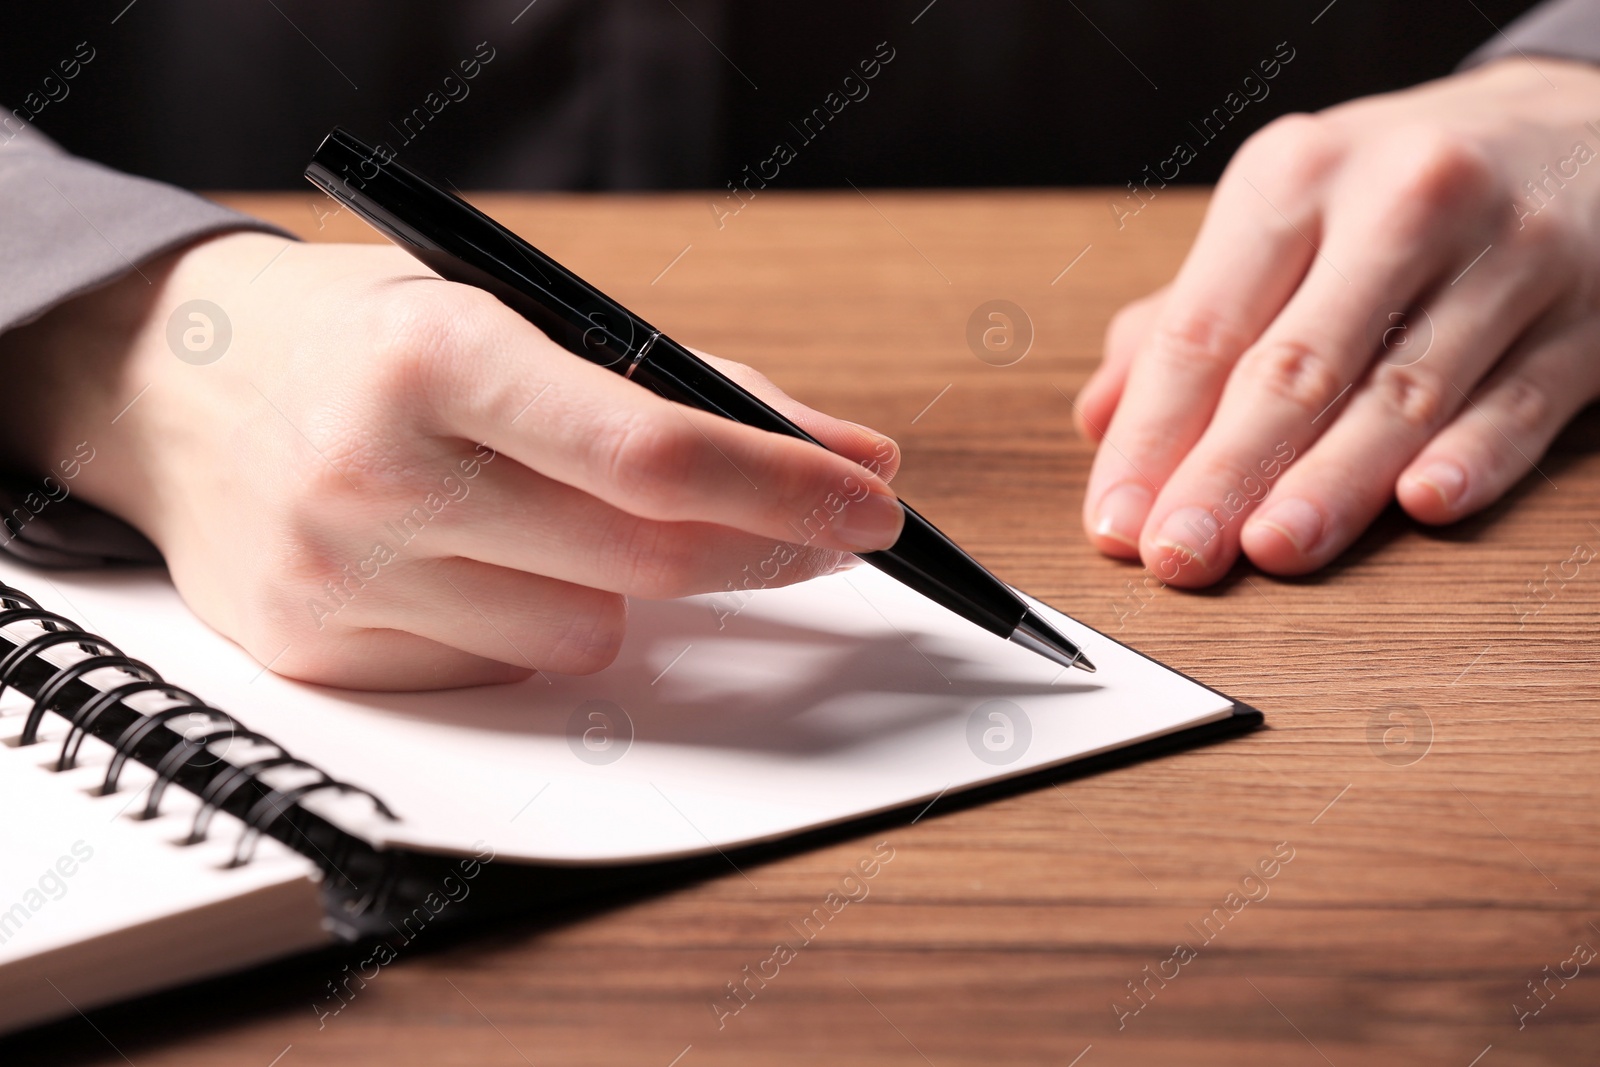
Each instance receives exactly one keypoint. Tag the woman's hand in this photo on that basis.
(1392, 298)
(386, 480)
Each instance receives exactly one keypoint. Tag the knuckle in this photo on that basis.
(417, 331)
(1198, 338)
(1126, 318)
(1541, 233)
(648, 458)
(1436, 172)
(352, 466)
(1526, 406)
(654, 562)
(592, 636)
(804, 478)
(411, 325)
(1294, 372)
(308, 557)
(1293, 153)
(809, 492)
(1149, 438)
(1413, 394)
(1235, 481)
(806, 563)
(811, 563)
(1128, 325)
(1446, 166)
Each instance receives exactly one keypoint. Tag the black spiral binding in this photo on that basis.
(358, 877)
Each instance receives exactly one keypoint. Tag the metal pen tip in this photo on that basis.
(1037, 635)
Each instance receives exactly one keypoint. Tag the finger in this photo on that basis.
(526, 621)
(1347, 477)
(1097, 400)
(873, 450)
(1247, 260)
(1383, 251)
(384, 659)
(500, 381)
(516, 518)
(1502, 434)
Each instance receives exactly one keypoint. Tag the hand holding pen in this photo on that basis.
(465, 245)
(315, 473)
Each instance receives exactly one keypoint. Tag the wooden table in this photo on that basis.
(1431, 760)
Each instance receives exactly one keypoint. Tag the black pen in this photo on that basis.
(462, 244)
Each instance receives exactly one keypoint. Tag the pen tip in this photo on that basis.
(1037, 635)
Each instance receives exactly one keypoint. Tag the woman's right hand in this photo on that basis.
(387, 480)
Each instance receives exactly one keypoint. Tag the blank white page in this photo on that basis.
(812, 705)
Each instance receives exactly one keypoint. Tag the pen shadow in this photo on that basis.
(755, 684)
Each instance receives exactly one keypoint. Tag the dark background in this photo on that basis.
(596, 94)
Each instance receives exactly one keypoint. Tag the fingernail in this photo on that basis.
(871, 523)
(1445, 478)
(1121, 514)
(1296, 521)
(1188, 533)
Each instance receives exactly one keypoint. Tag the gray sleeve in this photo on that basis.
(72, 225)
(68, 226)
(1568, 29)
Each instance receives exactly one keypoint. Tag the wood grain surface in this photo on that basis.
(1432, 761)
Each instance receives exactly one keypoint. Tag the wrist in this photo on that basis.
(1535, 80)
(79, 372)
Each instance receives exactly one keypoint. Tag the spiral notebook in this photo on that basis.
(175, 810)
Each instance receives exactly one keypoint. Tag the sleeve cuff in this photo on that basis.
(1565, 29)
(72, 225)
(52, 528)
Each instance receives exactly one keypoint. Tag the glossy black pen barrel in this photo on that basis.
(462, 244)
